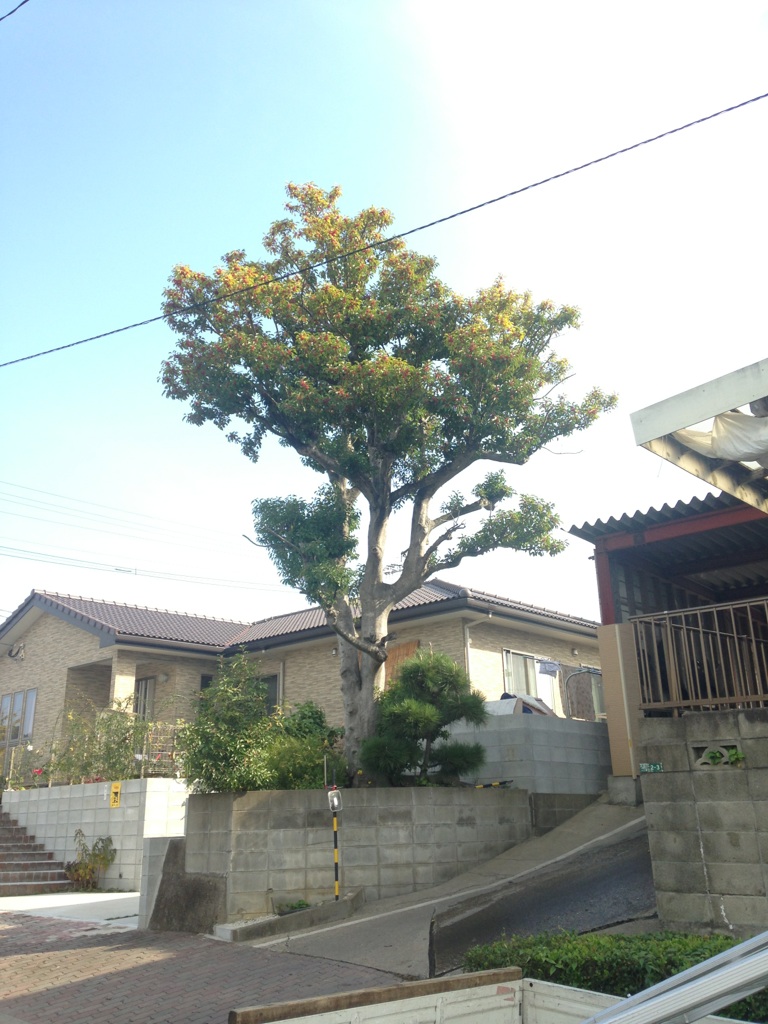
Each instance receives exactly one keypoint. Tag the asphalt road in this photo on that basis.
(591, 891)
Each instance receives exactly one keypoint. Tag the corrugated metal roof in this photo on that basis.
(724, 559)
(666, 514)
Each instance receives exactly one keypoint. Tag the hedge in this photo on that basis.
(618, 965)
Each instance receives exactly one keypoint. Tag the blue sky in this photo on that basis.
(137, 136)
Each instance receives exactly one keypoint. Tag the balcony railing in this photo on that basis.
(710, 658)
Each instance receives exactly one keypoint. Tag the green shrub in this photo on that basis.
(618, 965)
(234, 744)
(223, 749)
(411, 739)
(90, 861)
(303, 763)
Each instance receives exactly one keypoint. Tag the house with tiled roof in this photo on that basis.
(62, 653)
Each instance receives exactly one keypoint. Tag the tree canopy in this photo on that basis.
(349, 349)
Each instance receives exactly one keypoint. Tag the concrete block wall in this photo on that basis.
(548, 810)
(148, 807)
(275, 847)
(540, 753)
(707, 825)
(154, 851)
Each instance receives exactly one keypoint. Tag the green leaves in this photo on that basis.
(615, 964)
(351, 351)
(223, 749)
(373, 347)
(98, 744)
(430, 693)
(492, 490)
(311, 542)
(529, 528)
(90, 860)
(234, 744)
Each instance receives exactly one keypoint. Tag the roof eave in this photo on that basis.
(160, 643)
(450, 606)
(18, 622)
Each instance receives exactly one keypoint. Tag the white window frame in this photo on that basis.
(525, 672)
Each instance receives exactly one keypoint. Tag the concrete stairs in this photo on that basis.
(26, 867)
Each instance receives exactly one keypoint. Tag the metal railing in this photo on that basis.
(711, 658)
(150, 751)
(157, 755)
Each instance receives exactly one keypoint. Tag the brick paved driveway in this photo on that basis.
(54, 971)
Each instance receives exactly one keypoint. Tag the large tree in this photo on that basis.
(350, 350)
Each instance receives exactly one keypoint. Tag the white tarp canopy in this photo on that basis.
(735, 436)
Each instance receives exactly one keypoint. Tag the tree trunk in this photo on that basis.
(361, 675)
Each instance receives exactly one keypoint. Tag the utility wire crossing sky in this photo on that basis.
(391, 238)
(147, 136)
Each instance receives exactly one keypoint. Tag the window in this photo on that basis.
(5, 714)
(29, 714)
(17, 716)
(519, 673)
(272, 684)
(144, 697)
(205, 682)
(17, 708)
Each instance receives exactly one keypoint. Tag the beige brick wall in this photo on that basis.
(175, 696)
(308, 671)
(51, 646)
(488, 640)
(70, 670)
(311, 672)
(87, 688)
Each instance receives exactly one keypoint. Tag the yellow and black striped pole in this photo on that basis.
(335, 856)
(334, 800)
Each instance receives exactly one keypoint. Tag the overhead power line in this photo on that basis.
(140, 520)
(393, 238)
(74, 518)
(152, 531)
(14, 10)
(78, 563)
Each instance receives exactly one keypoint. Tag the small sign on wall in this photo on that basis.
(114, 795)
(653, 766)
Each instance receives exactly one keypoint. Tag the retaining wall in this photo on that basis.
(267, 848)
(540, 753)
(148, 807)
(708, 824)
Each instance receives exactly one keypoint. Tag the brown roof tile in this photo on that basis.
(437, 593)
(150, 623)
(124, 621)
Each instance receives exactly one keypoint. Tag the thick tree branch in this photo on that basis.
(367, 646)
